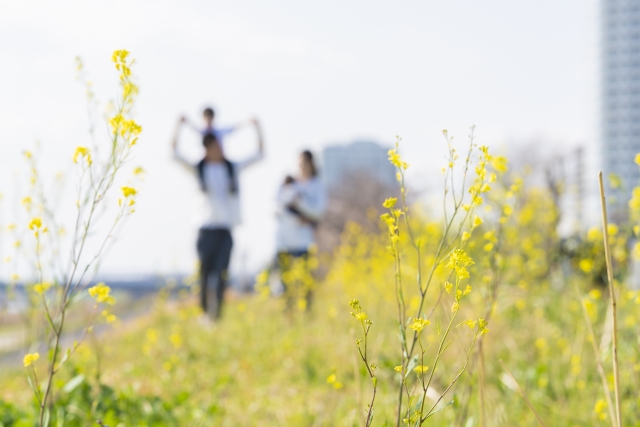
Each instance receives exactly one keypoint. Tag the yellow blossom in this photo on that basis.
(421, 369)
(82, 152)
(35, 223)
(448, 286)
(129, 191)
(390, 202)
(419, 324)
(41, 288)
(101, 293)
(30, 358)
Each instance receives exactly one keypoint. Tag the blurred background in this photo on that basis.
(340, 78)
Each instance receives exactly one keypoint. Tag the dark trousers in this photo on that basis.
(214, 250)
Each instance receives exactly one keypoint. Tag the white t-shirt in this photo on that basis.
(293, 232)
(221, 207)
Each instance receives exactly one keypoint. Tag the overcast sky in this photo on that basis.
(313, 72)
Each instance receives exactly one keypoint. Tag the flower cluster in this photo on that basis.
(121, 124)
(82, 153)
(396, 160)
(358, 313)
(419, 324)
(102, 294)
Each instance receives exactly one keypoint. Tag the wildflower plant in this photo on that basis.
(460, 221)
(59, 283)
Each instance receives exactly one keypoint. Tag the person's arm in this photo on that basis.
(192, 126)
(174, 147)
(315, 207)
(242, 124)
(260, 152)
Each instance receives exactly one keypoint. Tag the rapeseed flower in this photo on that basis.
(82, 152)
(419, 324)
(390, 202)
(102, 293)
(41, 288)
(30, 358)
(129, 191)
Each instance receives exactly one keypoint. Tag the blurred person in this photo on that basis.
(301, 204)
(218, 179)
(220, 133)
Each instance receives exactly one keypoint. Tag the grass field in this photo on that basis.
(480, 315)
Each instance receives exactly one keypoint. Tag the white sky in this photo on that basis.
(313, 72)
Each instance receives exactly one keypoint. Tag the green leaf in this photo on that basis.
(412, 365)
(47, 418)
(73, 383)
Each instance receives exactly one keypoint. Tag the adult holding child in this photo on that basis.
(218, 179)
(220, 132)
(301, 202)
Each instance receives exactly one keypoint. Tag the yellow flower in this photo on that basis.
(471, 323)
(152, 335)
(637, 159)
(586, 265)
(419, 324)
(30, 358)
(390, 202)
(398, 368)
(499, 163)
(467, 290)
(41, 288)
(595, 293)
(448, 286)
(615, 181)
(138, 171)
(476, 221)
(101, 293)
(600, 408)
(82, 152)
(176, 340)
(129, 191)
(396, 160)
(360, 316)
(119, 55)
(421, 369)
(35, 223)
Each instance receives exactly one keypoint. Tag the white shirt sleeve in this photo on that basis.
(249, 161)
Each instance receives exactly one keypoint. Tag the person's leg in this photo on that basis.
(205, 248)
(224, 244)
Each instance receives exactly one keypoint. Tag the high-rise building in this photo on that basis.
(358, 157)
(620, 83)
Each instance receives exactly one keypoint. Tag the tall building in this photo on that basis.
(358, 157)
(620, 62)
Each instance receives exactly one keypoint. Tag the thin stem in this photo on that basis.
(599, 363)
(612, 299)
(524, 396)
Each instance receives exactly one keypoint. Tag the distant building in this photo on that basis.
(358, 157)
(620, 62)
